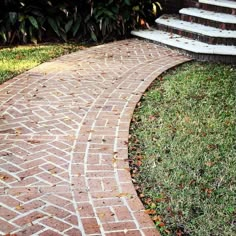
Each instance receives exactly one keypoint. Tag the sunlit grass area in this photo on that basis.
(15, 60)
(182, 150)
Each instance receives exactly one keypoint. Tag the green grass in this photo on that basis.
(182, 150)
(16, 60)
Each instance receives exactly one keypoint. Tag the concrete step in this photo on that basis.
(224, 6)
(220, 3)
(215, 19)
(196, 31)
(199, 50)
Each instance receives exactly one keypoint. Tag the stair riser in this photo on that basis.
(195, 36)
(217, 9)
(207, 22)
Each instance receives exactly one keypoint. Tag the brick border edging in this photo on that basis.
(166, 65)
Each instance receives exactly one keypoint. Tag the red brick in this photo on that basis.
(28, 197)
(126, 233)
(122, 213)
(101, 174)
(91, 226)
(73, 232)
(151, 232)
(55, 189)
(109, 184)
(49, 233)
(99, 167)
(32, 163)
(29, 172)
(119, 225)
(26, 182)
(143, 219)
(10, 168)
(124, 175)
(54, 211)
(135, 204)
(108, 202)
(81, 196)
(56, 200)
(105, 214)
(6, 227)
(9, 201)
(30, 218)
(128, 188)
(95, 185)
(85, 209)
(6, 213)
(55, 223)
(30, 230)
(50, 178)
(72, 219)
(22, 190)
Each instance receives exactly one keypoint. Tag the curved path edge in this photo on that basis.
(64, 129)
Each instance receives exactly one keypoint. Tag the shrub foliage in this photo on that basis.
(31, 21)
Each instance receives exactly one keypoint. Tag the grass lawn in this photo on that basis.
(182, 150)
(15, 60)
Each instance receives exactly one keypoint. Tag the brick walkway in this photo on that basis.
(63, 142)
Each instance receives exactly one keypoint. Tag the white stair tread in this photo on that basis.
(191, 45)
(220, 3)
(176, 23)
(209, 15)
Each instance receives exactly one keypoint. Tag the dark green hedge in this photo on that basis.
(32, 21)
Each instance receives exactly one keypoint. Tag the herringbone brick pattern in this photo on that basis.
(63, 142)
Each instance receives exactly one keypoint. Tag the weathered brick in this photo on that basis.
(6, 227)
(49, 232)
(85, 209)
(30, 230)
(119, 225)
(73, 232)
(91, 226)
(105, 214)
(6, 213)
(29, 219)
(55, 224)
(122, 213)
(55, 211)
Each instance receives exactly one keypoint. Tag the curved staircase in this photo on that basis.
(206, 31)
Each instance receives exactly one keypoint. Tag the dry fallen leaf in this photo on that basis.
(114, 160)
(150, 211)
(18, 131)
(209, 163)
(33, 141)
(161, 224)
(3, 177)
(101, 215)
(19, 207)
(66, 118)
(157, 218)
(123, 195)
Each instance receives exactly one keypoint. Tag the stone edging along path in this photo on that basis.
(63, 142)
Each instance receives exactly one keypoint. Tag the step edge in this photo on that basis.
(205, 33)
(208, 50)
(219, 4)
(187, 11)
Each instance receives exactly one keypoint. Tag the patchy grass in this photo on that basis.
(16, 60)
(182, 150)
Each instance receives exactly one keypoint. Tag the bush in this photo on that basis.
(32, 21)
